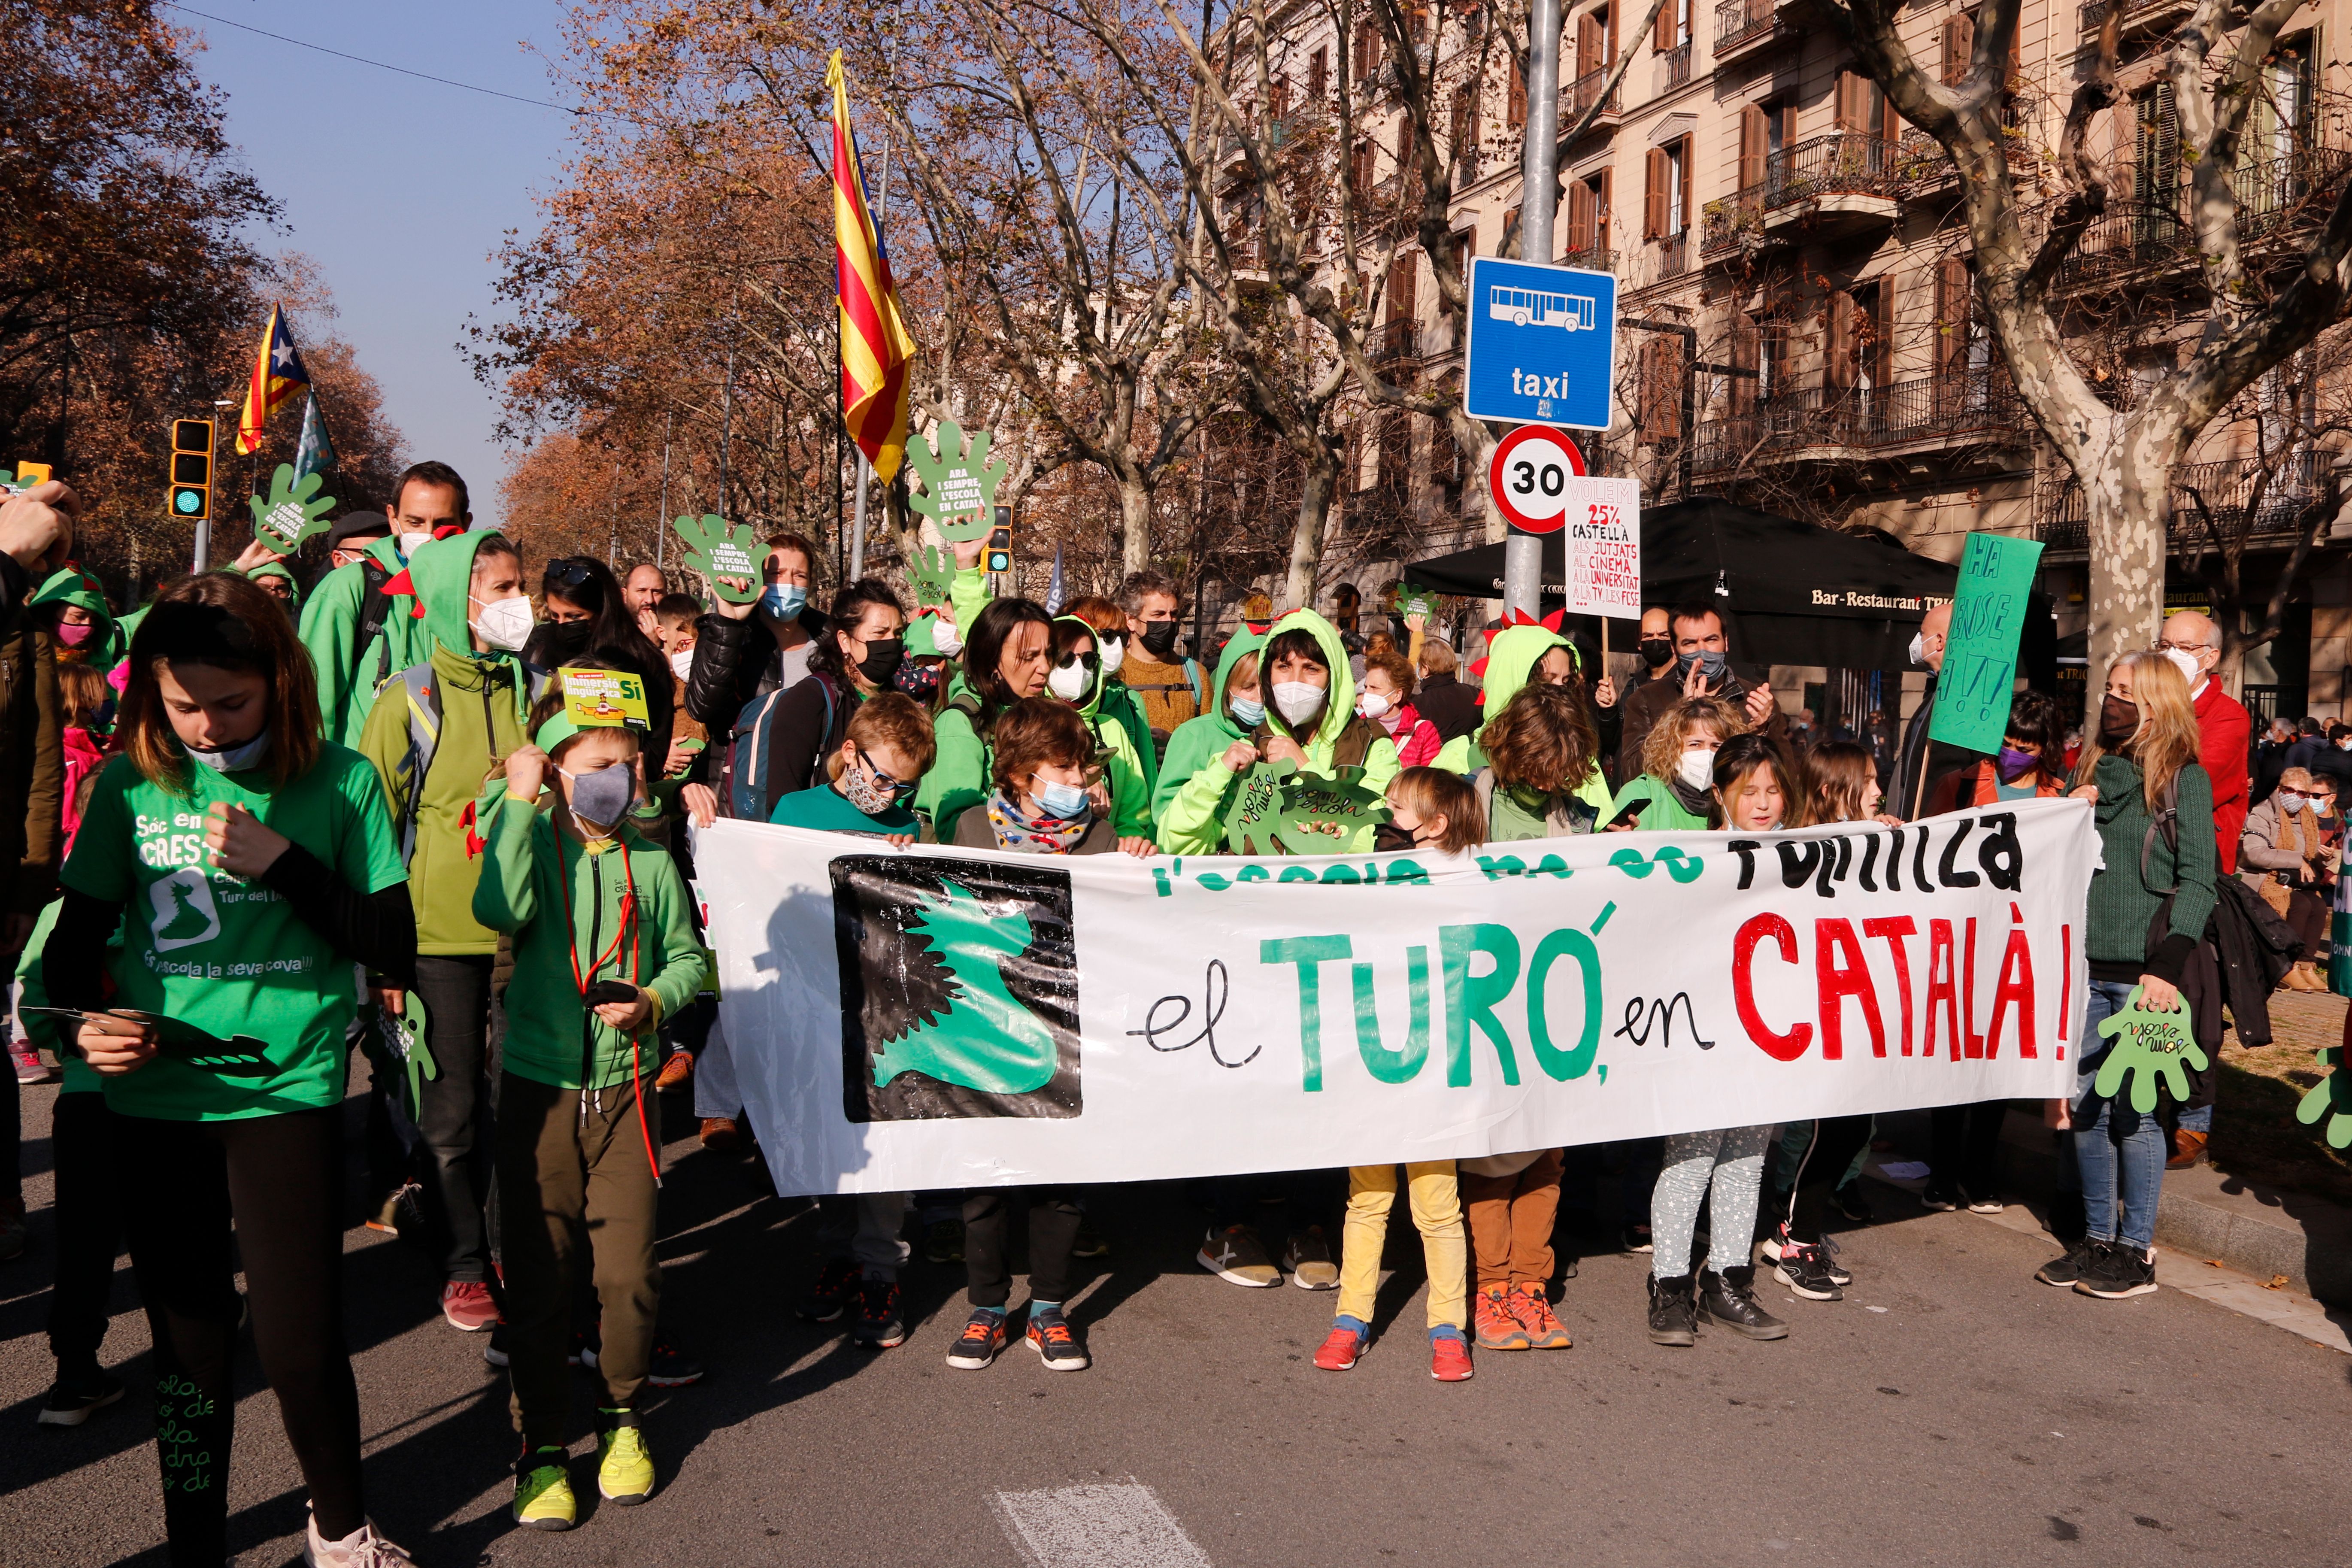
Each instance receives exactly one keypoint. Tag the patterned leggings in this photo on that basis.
(1733, 1160)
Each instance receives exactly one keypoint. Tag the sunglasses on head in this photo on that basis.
(570, 572)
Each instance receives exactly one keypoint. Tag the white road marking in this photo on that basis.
(1112, 1525)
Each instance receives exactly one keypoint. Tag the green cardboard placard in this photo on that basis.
(1414, 600)
(716, 550)
(1973, 692)
(930, 574)
(959, 493)
(2331, 1097)
(1278, 810)
(2147, 1047)
(292, 511)
(400, 1038)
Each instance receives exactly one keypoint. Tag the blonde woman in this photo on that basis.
(1675, 790)
(2140, 764)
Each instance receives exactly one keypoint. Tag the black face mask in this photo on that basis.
(1158, 637)
(1656, 651)
(569, 640)
(2118, 720)
(883, 658)
(1388, 838)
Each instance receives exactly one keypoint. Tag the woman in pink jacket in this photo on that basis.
(1384, 697)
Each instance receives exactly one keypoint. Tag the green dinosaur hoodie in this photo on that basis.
(69, 585)
(277, 569)
(530, 874)
(1197, 740)
(1511, 658)
(1130, 783)
(350, 676)
(1195, 823)
(482, 700)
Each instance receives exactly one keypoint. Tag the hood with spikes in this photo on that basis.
(1510, 659)
(1341, 706)
(1237, 646)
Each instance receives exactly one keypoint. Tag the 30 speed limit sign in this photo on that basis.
(1529, 476)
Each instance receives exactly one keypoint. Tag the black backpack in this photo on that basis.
(375, 607)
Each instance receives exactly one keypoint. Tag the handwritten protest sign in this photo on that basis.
(946, 1018)
(1981, 654)
(1603, 541)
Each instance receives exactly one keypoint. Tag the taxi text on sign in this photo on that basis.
(1542, 343)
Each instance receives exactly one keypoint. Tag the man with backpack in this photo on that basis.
(362, 624)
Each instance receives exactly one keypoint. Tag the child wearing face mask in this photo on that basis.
(1238, 713)
(1115, 642)
(440, 730)
(603, 949)
(73, 606)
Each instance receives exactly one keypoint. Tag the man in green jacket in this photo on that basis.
(442, 727)
(354, 660)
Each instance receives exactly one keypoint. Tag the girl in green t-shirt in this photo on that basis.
(249, 865)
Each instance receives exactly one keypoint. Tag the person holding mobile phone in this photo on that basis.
(249, 864)
(1672, 793)
(603, 949)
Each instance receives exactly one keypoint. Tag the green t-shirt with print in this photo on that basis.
(230, 956)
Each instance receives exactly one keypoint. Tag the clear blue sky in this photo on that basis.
(399, 189)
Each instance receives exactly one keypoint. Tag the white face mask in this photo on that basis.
(2187, 664)
(1297, 700)
(681, 663)
(409, 542)
(1697, 770)
(1068, 682)
(1371, 705)
(503, 624)
(2289, 802)
(1919, 650)
(945, 636)
(1114, 653)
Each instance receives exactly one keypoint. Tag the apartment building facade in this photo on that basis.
(1812, 343)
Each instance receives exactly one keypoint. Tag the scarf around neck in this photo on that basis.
(1035, 835)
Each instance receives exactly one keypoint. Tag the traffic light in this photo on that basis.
(190, 497)
(1000, 543)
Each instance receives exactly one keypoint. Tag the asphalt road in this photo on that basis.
(1950, 1411)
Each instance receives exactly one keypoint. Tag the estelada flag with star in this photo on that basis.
(277, 371)
(874, 343)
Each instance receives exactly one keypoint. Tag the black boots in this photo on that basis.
(1729, 1298)
(1671, 1322)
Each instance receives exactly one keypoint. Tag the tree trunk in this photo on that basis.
(1306, 539)
(2129, 503)
(1135, 525)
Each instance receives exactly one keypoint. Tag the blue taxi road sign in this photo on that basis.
(1542, 343)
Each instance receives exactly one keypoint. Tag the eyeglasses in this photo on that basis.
(2165, 645)
(1085, 660)
(896, 786)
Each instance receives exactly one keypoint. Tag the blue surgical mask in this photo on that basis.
(1063, 802)
(783, 601)
(1249, 715)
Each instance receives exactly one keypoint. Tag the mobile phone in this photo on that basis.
(609, 991)
(1633, 809)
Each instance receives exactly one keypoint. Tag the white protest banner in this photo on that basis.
(946, 1018)
(1602, 543)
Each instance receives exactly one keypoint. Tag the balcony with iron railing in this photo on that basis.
(1846, 176)
(1969, 407)
(1738, 23)
(2263, 503)
(1673, 69)
(1591, 257)
(1585, 91)
(2277, 199)
(2138, 16)
(1392, 340)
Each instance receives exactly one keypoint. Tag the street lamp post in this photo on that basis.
(1539, 162)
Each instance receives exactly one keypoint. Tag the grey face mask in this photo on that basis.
(1710, 661)
(235, 758)
(601, 798)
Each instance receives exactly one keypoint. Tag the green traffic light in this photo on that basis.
(187, 500)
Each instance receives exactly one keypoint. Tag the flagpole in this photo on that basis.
(661, 521)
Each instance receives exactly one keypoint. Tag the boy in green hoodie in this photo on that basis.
(1236, 715)
(603, 949)
(1517, 656)
(1309, 719)
(444, 726)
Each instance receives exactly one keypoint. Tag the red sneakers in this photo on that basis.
(467, 1304)
(1449, 1360)
(1341, 1350)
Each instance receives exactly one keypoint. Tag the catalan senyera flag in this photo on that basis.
(277, 371)
(875, 345)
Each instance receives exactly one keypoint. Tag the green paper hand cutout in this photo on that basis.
(1280, 811)
(2148, 1046)
(930, 574)
(959, 493)
(716, 550)
(293, 511)
(2331, 1097)
(402, 1040)
(1416, 601)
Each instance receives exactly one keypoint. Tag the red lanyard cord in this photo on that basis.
(626, 935)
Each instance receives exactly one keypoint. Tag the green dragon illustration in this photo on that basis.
(986, 1038)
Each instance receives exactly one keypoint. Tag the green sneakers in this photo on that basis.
(544, 1498)
(625, 1466)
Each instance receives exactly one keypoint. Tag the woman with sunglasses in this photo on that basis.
(1123, 792)
(588, 622)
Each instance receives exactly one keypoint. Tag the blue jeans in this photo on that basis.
(2118, 1151)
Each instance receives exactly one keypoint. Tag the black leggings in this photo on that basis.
(1836, 1141)
(280, 1176)
(89, 1228)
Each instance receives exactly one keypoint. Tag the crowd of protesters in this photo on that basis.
(257, 823)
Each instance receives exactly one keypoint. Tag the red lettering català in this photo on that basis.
(1785, 1047)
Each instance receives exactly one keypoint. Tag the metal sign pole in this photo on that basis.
(1538, 160)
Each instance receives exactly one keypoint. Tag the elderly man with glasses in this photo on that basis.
(2194, 643)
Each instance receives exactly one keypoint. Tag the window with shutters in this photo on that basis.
(1755, 146)
(1404, 277)
(1955, 316)
(1465, 129)
(1838, 365)
(1361, 161)
(1591, 43)
(1861, 106)
(1746, 346)
(1959, 38)
(1318, 73)
(1278, 98)
(1580, 217)
(1660, 402)
(1666, 209)
(1875, 349)
(1510, 240)
(1654, 196)
(1367, 63)
(2155, 174)
(1516, 109)
(1678, 193)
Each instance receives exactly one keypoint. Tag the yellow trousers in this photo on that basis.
(1436, 1213)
